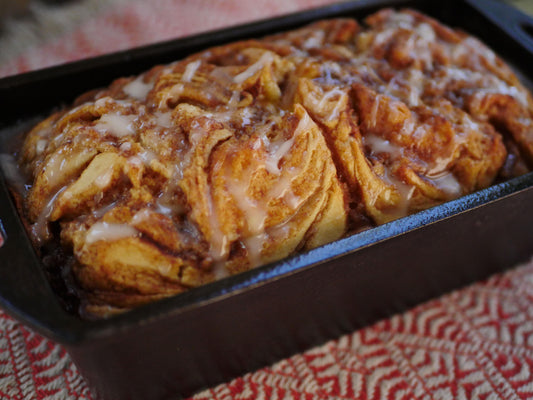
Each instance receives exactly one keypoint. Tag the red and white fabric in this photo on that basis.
(475, 343)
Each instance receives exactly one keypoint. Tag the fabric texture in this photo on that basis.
(475, 343)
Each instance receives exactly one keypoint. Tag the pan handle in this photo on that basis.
(511, 20)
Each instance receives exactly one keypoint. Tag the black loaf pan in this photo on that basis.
(208, 335)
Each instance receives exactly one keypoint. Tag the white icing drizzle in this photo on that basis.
(219, 271)
(326, 70)
(45, 131)
(374, 111)
(242, 116)
(397, 20)
(135, 162)
(380, 145)
(196, 133)
(384, 35)
(103, 180)
(504, 89)
(406, 194)
(254, 246)
(466, 123)
(256, 211)
(141, 215)
(277, 151)
(173, 93)
(448, 183)
(218, 245)
(408, 126)
(415, 80)
(116, 124)
(40, 227)
(246, 115)
(283, 190)
(190, 71)
(424, 36)
(315, 40)
(263, 61)
(75, 109)
(426, 31)
(328, 96)
(484, 84)
(255, 214)
(164, 208)
(101, 102)
(40, 146)
(163, 119)
(437, 172)
(471, 45)
(147, 156)
(166, 203)
(125, 147)
(105, 231)
(460, 74)
(100, 212)
(438, 167)
(137, 88)
(221, 116)
(404, 191)
(401, 20)
(59, 138)
(181, 163)
(234, 99)
(53, 166)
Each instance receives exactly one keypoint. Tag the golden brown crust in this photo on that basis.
(249, 152)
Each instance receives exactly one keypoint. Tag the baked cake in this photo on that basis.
(247, 153)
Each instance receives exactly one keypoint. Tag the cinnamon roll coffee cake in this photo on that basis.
(250, 152)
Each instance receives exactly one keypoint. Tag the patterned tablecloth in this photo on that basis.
(475, 343)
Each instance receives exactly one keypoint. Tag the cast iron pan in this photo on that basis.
(208, 335)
